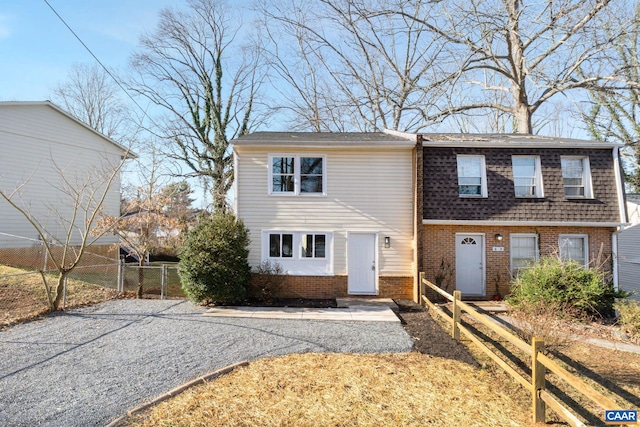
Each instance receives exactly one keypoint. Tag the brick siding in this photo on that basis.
(439, 253)
(336, 286)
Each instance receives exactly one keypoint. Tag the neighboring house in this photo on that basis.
(633, 208)
(336, 210)
(42, 147)
(629, 249)
(629, 260)
(494, 203)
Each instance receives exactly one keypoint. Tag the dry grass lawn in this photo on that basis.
(23, 296)
(344, 390)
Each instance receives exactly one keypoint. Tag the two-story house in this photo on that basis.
(335, 210)
(362, 213)
(494, 203)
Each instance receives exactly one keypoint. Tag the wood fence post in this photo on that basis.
(421, 289)
(455, 330)
(538, 372)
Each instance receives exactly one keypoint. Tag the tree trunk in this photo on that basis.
(140, 289)
(523, 119)
(59, 291)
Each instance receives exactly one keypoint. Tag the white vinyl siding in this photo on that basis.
(367, 190)
(39, 145)
(472, 176)
(527, 176)
(524, 251)
(629, 261)
(574, 247)
(576, 177)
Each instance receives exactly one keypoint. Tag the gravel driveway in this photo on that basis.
(88, 366)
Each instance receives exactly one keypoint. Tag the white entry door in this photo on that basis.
(470, 264)
(361, 265)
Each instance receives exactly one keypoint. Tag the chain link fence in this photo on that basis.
(25, 267)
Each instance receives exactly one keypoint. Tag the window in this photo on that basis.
(576, 177)
(280, 245)
(575, 247)
(299, 252)
(527, 178)
(524, 251)
(313, 245)
(283, 174)
(295, 175)
(472, 180)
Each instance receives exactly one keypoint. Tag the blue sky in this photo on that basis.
(37, 50)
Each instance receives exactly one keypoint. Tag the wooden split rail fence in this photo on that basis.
(540, 363)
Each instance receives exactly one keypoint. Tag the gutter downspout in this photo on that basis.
(622, 209)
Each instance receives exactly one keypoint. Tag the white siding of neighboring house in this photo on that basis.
(629, 260)
(367, 190)
(35, 142)
(633, 208)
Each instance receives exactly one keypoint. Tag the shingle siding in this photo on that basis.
(441, 200)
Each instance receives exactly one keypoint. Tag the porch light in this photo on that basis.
(499, 237)
(387, 242)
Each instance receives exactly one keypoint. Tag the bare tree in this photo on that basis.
(144, 224)
(83, 195)
(533, 51)
(345, 68)
(91, 95)
(194, 68)
(614, 115)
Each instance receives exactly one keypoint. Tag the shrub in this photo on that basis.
(213, 261)
(267, 281)
(565, 283)
(629, 316)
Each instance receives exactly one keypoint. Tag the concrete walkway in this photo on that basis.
(357, 309)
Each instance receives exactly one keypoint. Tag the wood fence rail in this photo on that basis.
(540, 363)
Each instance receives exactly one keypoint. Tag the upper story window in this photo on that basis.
(297, 175)
(472, 176)
(527, 176)
(574, 247)
(576, 177)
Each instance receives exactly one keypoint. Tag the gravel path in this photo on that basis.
(88, 366)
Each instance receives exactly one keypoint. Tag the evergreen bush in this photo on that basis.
(555, 282)
(214, 265)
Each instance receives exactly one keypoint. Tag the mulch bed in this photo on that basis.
(428, 336)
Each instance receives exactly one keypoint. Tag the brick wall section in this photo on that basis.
(439, 252)
(336, 286)
(441, 199)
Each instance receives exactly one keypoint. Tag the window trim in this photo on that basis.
(586, 177)
(483, 176)
(537, 248)
(585, 249)
(296, 175)
(539, 189)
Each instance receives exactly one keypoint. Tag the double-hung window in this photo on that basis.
(472, 177)
(297, 174)
(576, 177)
(524, 251)
(527, 178)
(574, 247)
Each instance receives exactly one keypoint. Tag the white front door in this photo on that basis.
(470, 264)
(362, 269)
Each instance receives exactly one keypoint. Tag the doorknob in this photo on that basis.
(373, 266)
